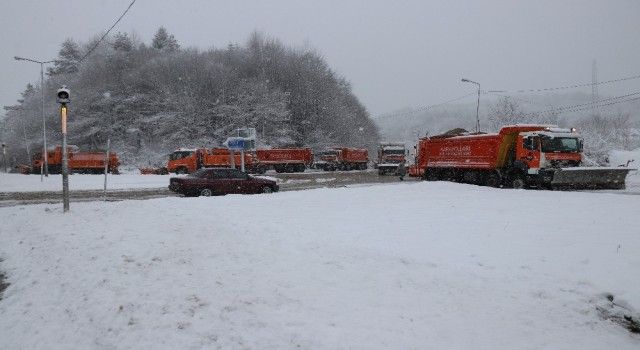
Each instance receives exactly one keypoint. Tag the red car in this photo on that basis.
(220, 181)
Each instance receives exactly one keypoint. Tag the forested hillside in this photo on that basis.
(151, 98)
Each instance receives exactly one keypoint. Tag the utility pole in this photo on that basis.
(594, 87)
(106, 167)
(44, 121)
(4, 157)
(477, 106)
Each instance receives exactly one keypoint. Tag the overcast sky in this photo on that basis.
(395, 53)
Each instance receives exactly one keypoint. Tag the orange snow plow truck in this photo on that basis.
(91, 162)
(343, 158)
(284, 160)
(185, 161)
(518, 156)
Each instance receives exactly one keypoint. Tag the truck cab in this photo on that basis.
(389, 156)
(540, 153)
(328, 160)
(184, 161)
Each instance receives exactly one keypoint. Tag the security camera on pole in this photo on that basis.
(63, 99)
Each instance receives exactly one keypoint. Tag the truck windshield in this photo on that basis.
(399, 152)
(560, 144)
(180, 155)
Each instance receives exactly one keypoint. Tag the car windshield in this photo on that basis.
(330, 153)
(394, 152)
(560, 144)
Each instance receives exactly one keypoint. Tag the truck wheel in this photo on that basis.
(206, 192)
(492, 180)
(267, 189)
(181, 171)
(430, 175)
(517, 183)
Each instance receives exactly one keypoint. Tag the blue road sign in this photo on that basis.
(235, 143)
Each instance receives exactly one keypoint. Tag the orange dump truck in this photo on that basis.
(518, 156)
(284, 160)
(91, 162)
(185, 161)
(343, 158)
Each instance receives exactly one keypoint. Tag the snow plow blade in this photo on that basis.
(590, 178)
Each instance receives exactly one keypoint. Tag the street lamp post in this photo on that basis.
(63, 100)
(478, 105)
(44, 122)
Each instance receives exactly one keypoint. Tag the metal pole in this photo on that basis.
(478, 105)
(478, 111)
(106, 167)
(4, 157)
(24, 133)
(242, 160)
(44, 123)
(65, 162)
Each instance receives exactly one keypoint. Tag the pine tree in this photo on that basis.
(68, 58)
(122, 42)
(164, 41)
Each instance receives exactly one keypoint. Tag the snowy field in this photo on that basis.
(123, 182)
(414, 265)
(32, 183)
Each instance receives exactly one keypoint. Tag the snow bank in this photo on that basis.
(617, 158)
(620, 158)
(399, 266)
(32, 183)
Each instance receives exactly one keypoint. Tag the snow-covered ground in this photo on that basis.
(409, 265)
(36, 183)
(32, 183)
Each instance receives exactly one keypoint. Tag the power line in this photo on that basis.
(599, 103)
(603, 105)
(425, 108)
(569, 86)
(516, 98)
(107, 32)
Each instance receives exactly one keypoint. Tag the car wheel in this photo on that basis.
(267, 189)
(206, 192)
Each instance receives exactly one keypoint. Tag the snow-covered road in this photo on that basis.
(397, 266)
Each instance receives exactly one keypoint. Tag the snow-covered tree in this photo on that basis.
(122, 42)
(68, 57)
(162, 40)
